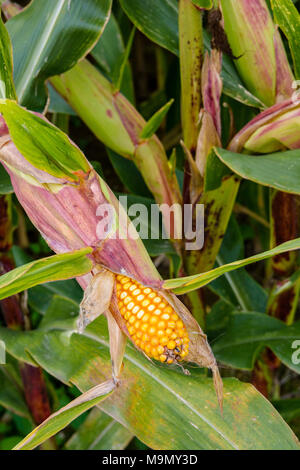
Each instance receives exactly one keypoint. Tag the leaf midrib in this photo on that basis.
(36, 54)
(185, 402)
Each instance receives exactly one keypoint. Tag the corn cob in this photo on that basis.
(62, 199)
(152, 323)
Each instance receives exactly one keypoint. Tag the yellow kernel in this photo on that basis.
(151, 321)
(168, 309)
(131, 330)
(146, 317)
(136, 292)
(140, 314)
(165, 316)
(132, 287)
(151, 331)
(154, 341)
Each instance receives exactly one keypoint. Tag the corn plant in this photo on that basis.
(112, 112)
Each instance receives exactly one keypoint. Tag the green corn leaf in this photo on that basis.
(159, 22)
(66, 415)
(248, 333)
(57, 104)
(7, 87)
(109, 53)
(129, 174)
(207, 4)
(5, 184)
(279, 170)
(237, 287)
(99, 432)
(154, 123)
(42, 144)
(84, 360)
(57, 34)
(190, 283)
(11, 396)
(119, 70)
(288, 408)
(288, 18)
(53, 268)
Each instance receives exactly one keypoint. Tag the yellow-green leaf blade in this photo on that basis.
(190, 283)
(66, 415)
(53, 268)
(7, 87)
(280, 170)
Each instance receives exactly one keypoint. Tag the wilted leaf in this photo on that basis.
(99, 432)
(66, 415)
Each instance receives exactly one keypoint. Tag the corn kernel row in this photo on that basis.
(152, 323)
